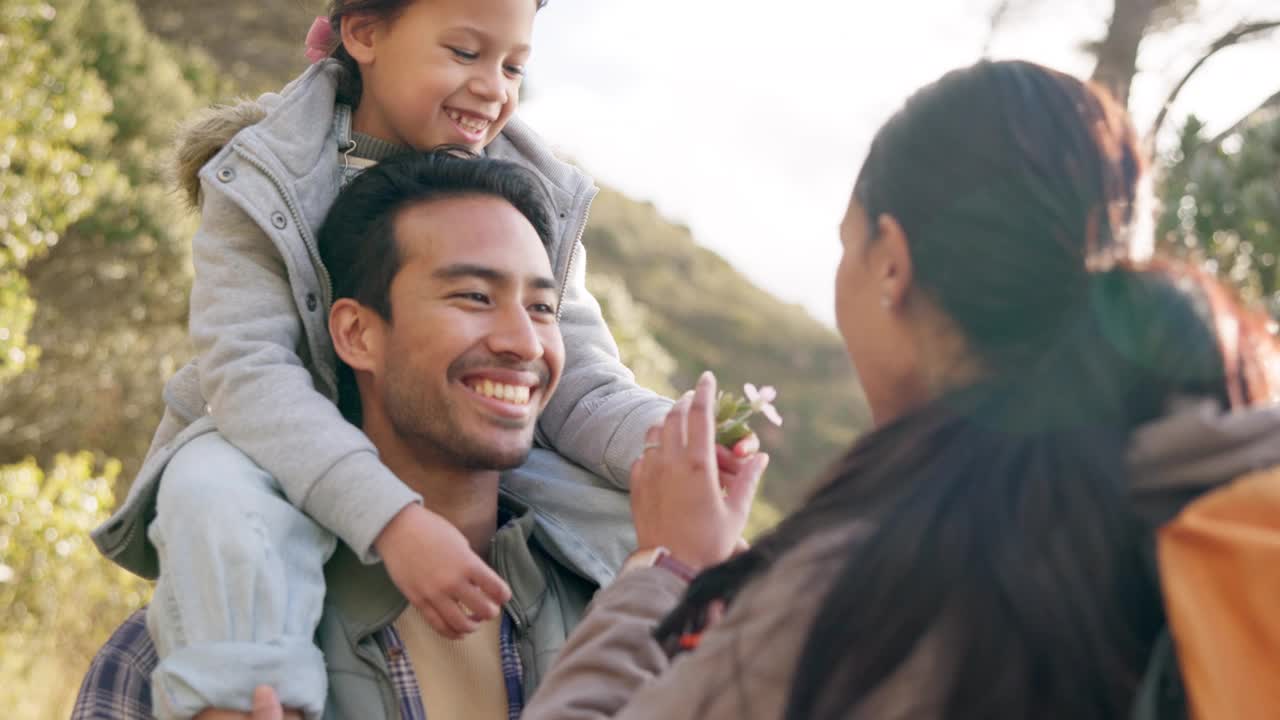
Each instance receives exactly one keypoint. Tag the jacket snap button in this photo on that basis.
(277, 219)
(312, 302)
(226, 174)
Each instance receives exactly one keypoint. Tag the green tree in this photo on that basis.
(109, 299)
(1220, 202)
(55, 117)
(93, 279)
(58, 597)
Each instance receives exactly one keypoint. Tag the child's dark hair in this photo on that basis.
(357, 240)
(350, 86)
(998, 517)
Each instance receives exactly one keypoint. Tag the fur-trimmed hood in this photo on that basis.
(203, 136)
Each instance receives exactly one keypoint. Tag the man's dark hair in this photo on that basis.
(357, 241)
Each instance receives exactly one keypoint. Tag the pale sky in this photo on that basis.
(747, 119)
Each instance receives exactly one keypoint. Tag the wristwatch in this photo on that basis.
(657, 557)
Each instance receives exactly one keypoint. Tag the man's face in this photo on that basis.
(473, 350)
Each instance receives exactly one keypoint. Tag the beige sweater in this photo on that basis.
(612, 667)
(459, 679)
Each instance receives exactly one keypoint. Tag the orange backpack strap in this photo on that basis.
(1220, 573)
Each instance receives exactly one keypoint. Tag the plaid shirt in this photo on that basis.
(118, 684)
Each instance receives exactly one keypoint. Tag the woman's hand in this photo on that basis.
(687, 497)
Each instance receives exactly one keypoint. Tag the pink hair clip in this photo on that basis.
(319, 40)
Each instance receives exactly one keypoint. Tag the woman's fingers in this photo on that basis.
(701, 422)
(653, 438)
(673, 428)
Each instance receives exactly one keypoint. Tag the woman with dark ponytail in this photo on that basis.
(1041, 401)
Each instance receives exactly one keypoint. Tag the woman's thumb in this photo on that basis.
(741, 488)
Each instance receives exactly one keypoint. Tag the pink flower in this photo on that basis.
(762, 401)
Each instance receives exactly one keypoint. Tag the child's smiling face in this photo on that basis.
(442, 72)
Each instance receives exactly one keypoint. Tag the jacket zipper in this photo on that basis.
(313, 251)
(573, 253)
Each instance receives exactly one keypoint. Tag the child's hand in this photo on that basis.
(436, 569)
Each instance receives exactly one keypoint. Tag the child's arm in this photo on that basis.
(246, 330)
(598, 416)
(245, 326)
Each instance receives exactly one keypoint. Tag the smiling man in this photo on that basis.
(445, 317)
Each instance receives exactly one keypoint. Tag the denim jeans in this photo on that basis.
(241, 587)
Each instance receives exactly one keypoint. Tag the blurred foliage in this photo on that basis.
(763, 517)
(259, 45)
(55, 115)
(109, 299)
(629, 322)
(1221, 204)
(59, 599)
(93, 281)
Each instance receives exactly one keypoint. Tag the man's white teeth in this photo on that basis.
(470, 123)
(515, 394)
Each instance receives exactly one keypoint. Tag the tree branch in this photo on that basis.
(1240, 33)
(994, 20)
(1117, 53)
(1271, 102)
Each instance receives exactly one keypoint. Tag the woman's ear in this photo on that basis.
(892, 261)
(356, 333)
(359, 31)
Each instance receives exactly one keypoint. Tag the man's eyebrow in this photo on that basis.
(464, 270)
(483, 272)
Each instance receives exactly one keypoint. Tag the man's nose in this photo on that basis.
(514, 334)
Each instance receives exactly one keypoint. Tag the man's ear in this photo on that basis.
(356, 332)
(892, 261)
(359, 34)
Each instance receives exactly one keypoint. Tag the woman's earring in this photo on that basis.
(885, 302)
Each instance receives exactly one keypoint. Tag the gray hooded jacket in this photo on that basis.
(265, 371)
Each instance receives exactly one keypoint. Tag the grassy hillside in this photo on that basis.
(701, 311)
